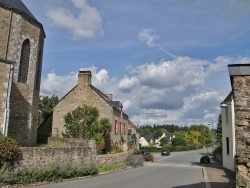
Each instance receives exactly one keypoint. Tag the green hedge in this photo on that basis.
(171, 149)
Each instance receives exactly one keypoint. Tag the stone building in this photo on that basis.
(228, 132)
(84, 93)
(240, 82)
(21, 51)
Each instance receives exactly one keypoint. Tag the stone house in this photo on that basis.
(133, 135)
(228, 132)
(84, 93)
(21, 50)
(146, 140)
(240, 105)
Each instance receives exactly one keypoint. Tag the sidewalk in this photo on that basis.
(218, 177)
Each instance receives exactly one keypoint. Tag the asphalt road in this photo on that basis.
(180, 170)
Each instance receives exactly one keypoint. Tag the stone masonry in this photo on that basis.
(240, 81)
(19, 101)
(86, 94)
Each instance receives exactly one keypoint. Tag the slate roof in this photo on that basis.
(149, 138)
(19, 6)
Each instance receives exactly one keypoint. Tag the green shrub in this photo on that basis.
(9, 151)
(149, 157)
(205, 159)
(135, 160)
(51, 173)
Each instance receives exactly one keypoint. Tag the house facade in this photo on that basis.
(86, 94)
(21, 51)
(133, 135)
(146, 140)
(228, 132)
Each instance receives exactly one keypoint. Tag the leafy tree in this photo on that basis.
(205, 137)
(193, 137)
(158, 133)
(45, 107)
(219, 130)
(164, 141)
(179, 141)
(83, 123)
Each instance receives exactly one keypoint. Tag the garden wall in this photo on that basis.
(63, 151)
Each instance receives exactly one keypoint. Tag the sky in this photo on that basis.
(165, 60)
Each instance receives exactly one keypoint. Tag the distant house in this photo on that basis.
(168, 136)
(133, 135)
(84, 93)
(145, 140)
(228, 132)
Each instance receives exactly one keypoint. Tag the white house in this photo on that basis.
(145, 140)
(228, 132)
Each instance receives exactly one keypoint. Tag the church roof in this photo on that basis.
(19, 6)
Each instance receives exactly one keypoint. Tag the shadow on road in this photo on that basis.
(202, 185)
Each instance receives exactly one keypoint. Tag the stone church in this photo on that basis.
(21, 51)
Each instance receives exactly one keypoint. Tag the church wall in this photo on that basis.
(24, 97)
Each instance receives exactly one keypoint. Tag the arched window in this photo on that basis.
(24, 62)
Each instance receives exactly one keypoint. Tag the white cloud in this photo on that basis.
(127, 84)
(156, 93)
(146, 35)
(86, 24)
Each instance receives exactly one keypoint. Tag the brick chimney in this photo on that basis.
(84, 78)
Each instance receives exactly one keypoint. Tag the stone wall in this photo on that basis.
(71, 152)
(110, 159)
(240, 81)
(22, 106)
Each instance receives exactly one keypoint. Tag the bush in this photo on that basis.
(9, 151)
(135, 160)
(205, 159)
(149, 157)
(51, 173)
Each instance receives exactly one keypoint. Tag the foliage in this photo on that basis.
(45, 108)
(218, 150)
(149, 157)
(164, 141)
(9, 151)
(135, 160)
(106, 168)
(116, 149)
(158, 133)
(179, 141)
(205, 159)
(50, 173)
(205, 137)
(219, 130)
(149, 130)
(193, 137)
(83, 123)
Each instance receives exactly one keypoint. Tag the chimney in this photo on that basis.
(110, 96)
(84, 78)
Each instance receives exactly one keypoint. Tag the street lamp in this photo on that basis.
(211, 123)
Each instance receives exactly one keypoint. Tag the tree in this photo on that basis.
(193, 137)
(179, 141)
(219, 130)
(45, 107)
(83, 123)
(205, 137)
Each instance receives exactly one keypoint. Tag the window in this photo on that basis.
(38, 70)
(227, 143)
(226, 116)
(116, 127)
(24, 62)
(121, 127)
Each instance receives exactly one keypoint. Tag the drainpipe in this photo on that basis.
(7, 103)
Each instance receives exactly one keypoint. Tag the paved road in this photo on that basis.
(180, 170)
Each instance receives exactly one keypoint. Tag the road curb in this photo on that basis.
(206, 180)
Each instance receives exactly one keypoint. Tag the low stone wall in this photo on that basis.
(71, 152)
(60, 152)
(110, 159)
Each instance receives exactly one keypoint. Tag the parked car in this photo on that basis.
(144, 152)
(165, 152)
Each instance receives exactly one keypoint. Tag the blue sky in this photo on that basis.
(166, 60)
